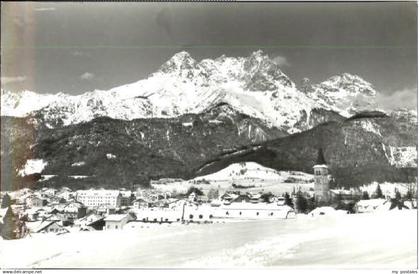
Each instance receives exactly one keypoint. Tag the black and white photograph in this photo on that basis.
(209, 135)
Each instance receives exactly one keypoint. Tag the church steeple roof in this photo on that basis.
(320, 160)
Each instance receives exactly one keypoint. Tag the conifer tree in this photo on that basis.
(6, 201)
(301, 203)
(365, 195)
(408, 195)
(287, 200)
(9, 225)
(311, 203)
(378, 192)
(397, 195)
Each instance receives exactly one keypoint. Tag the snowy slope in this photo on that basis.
(355, 241)
(249, 175)
(254, 85)
(251, 170)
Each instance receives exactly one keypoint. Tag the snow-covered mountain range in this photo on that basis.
(253, 85)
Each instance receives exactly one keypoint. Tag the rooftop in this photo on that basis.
(115, 217)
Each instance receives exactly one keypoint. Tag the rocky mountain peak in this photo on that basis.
(258, 55)
(263, 73)
(345, 93)
(352, 83)
(306, 85)
(257, 60)
(180, 61)
(254, 85)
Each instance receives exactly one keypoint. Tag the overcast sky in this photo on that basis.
(77, 47)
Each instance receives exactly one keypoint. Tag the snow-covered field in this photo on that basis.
(379, 240)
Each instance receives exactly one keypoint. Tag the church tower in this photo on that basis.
(321, 187)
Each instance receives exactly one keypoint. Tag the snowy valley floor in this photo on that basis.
(380, 240)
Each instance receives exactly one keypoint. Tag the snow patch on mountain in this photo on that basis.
(46, 177)
(369, 126)
(82, 163)
(78, 176)
(401, 156)
(33, 166)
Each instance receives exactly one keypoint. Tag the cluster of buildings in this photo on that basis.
(62, 210)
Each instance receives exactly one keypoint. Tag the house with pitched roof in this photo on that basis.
(117, 221)
(50, 227)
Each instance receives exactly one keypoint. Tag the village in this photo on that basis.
(26, 212)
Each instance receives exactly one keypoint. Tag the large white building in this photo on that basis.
(117, 221)
(186, 211)
(93, 198)
(252, 211)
